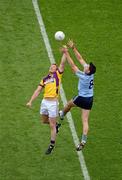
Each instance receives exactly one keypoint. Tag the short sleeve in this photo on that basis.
(41, 83)
(79, 74)
(59, 73)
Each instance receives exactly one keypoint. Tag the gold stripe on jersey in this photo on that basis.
(51, 84)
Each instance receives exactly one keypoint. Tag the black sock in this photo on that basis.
(52, 142)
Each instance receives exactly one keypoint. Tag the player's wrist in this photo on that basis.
(30, 102)
(65, 51)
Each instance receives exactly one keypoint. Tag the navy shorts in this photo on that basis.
(83, 102)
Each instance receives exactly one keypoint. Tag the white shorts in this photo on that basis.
(49, 108)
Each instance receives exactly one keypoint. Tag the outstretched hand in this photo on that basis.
(29, 104)
(71, 44)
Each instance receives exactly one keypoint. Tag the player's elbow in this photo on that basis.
(61, 69)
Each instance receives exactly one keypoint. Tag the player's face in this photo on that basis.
(53, 68)
(86, 69)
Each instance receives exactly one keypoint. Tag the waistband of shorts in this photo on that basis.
(50, 99)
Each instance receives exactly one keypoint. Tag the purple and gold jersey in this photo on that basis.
(51, 84)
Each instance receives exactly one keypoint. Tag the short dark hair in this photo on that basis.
(55, 65)
(92, 68)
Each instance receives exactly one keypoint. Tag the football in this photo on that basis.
(59, 36)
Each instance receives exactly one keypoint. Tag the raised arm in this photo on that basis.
(77, 54)
(34, 96)
(62, 63)
(69, 59)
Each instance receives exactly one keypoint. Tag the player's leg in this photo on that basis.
(88, 102)
(52, 123)
(85, 117)
(85, 103)
(44, 115)
(66, 109)
(44, 118)
(53, 113)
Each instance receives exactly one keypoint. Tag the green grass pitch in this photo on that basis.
(96, 28)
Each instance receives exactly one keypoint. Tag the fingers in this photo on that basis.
(29, 104)
(70, 44)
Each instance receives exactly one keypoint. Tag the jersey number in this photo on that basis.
(91, 84)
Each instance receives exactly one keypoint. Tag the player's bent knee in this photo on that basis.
(52, 123)
(70, 104)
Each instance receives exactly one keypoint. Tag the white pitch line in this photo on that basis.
(63, 97)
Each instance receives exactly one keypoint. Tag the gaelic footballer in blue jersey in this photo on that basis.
(84, 99)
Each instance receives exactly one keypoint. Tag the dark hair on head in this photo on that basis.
(55, 65)
(92, 68)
